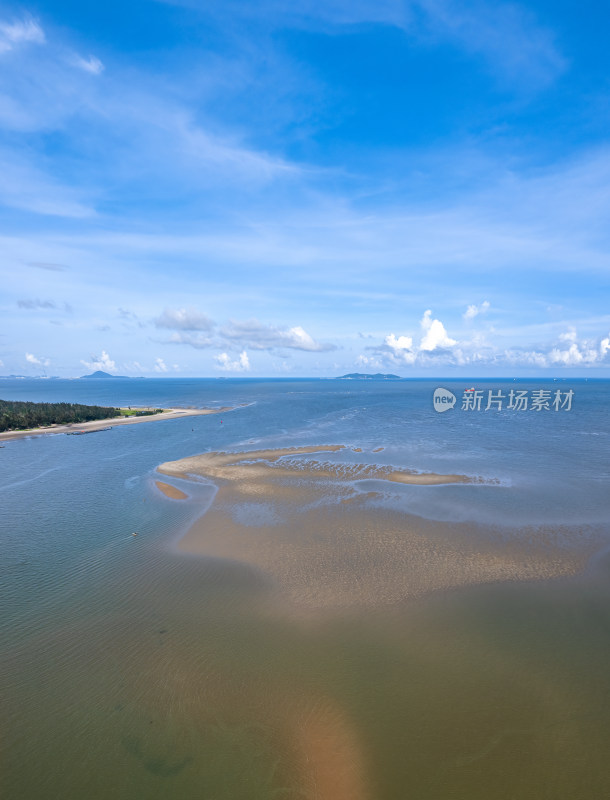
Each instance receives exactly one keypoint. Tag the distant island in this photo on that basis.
(99, 375)
(362, 376)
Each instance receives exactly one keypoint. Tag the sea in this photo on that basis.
(133, 670)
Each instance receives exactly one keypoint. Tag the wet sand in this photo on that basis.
(300, 520)
(170, 491)
(99, 424)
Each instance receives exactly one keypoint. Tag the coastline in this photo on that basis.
(99, 424)
(325, 545)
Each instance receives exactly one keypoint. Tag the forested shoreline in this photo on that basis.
(19, 415)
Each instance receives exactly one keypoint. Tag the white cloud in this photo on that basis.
(1, 363)
(401, 348)
(575, 354)
(473, 310)
(224, 363)
(399, 342)
(570, 352)
(160, 365)
(103, 362)
(91, 64)
(569, 336)
(184, 319)
(40, 362)
(437, 348)
(259, 336)
(15, 33)
(435, 337)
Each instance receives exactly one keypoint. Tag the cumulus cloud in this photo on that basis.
(436, 348)
(404, 350)
(435, 336)
(569, 351)
(242, 364)
(400, 348)
(103, 362)
(92, 65)
(19, 32)
(184, 319)
(268, 337)
(576, 352)
(1, 363)
(474, 310)
(39, 362)
(160, 365)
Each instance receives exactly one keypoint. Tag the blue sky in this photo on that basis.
(233, 188)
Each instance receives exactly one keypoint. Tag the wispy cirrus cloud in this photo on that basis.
(91, 64)
(508, 36)
(17, 32)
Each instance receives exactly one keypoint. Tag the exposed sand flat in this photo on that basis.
(282, 463)
(98, 424)
(170, 491)
(301, 522)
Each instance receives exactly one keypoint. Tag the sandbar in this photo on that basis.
(301, 521)
(170, 491)
(99, 424)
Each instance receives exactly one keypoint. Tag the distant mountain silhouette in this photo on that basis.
(361, 376)
(99, 375)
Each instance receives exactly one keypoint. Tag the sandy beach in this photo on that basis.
(299, 519)
(99, 424)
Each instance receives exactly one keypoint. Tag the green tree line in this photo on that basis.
(17, 415)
